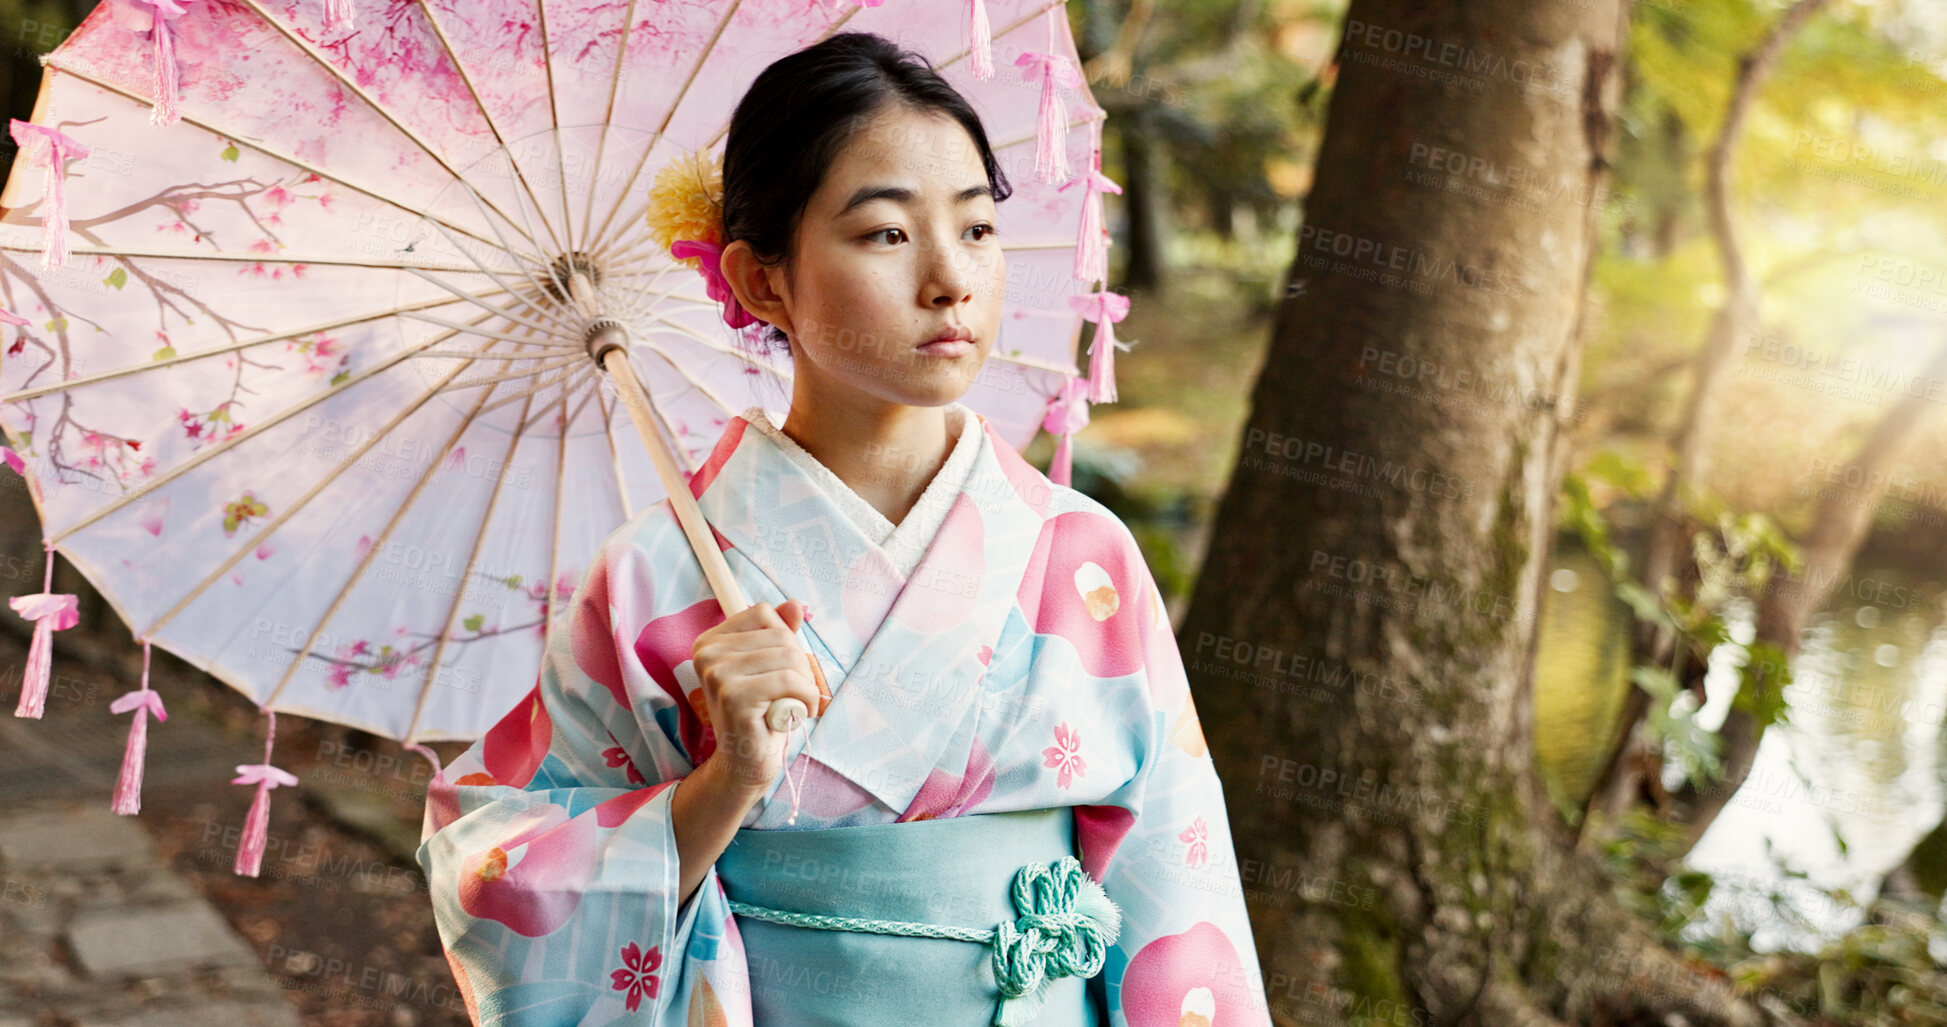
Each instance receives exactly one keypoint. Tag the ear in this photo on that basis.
(761, 290)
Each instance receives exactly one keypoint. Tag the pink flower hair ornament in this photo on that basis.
(711, 255)
(685, 216)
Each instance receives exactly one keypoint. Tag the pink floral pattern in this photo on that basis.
(619, 757)
(1198, 836)
(1065, 755)
(635, 976)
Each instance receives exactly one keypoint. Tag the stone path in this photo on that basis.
(95, 927)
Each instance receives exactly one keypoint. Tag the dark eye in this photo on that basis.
(883, 231)
(989, 229)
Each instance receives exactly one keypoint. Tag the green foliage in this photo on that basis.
(1879, 974)
(1733, 559)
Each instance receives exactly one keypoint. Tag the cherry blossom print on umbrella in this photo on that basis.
(309, 396)
(533, 880)
(1193, 977)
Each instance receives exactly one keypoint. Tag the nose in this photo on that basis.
(948, 280)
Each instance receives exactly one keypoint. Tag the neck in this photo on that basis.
(886, 452)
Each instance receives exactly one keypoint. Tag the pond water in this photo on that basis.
(1841, 792)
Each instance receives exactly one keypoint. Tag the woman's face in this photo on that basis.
(896, 247)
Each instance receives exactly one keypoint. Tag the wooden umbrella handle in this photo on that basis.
(716, 569)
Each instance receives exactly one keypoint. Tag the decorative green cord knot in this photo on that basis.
(1065, 928)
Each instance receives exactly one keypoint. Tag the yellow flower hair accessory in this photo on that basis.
(686, 202)
(685, 217)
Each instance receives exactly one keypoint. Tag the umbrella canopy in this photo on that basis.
(302, 387)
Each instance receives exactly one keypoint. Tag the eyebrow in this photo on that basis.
(901, 194)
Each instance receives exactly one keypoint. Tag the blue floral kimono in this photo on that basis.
(1018, 661)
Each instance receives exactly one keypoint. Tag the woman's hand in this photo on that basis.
(744, 664)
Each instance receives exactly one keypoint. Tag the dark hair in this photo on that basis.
(799, 112)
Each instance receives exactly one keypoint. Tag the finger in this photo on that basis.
(792, 611)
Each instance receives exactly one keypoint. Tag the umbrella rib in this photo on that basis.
(199, 457)
(554, 544)
(1096, 115)
(574, 329)
(614, 454)
(554, 118)
(378, 544)
(571, 389)
(350, 460)
(102, 376)
(238, 258)
(371, 101)
(496, 278)
(241, 140)
(507, 376)
(459, 593)
(467, 79)
(608, 117)
(502, 311)
(558, 375)
(487, 333)
(601, 234)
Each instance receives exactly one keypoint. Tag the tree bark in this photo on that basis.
(1619, 782)
(1361, 635)
(1143, 268)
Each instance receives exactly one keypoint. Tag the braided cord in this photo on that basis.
(865, 925)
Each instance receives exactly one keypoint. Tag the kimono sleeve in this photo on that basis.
(1185, 954)
(549, 846)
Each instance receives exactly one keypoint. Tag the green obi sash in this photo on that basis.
(985, 919)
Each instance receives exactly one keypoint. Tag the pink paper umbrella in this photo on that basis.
(305, 398)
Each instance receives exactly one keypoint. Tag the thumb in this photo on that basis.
(792, 610)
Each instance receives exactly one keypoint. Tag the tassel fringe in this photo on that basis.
(1067, 414)
(980, 40)
(144, 703)
(50, 613)
(256, 826)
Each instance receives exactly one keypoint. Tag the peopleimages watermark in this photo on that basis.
(1443, 61)
(1478, 177)
(1840, 374)
(1393, 265)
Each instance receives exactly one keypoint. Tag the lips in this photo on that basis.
(951, 335)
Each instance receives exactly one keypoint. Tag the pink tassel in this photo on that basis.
(59, 149)
(50, 613)
(145, 703)
(1051, 126)
(338, 15)
(1067, 414)
(981, 40)
(431, 756)
(256, 826)
(1105, 309)
(1092, 239)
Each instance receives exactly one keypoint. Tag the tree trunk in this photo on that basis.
(1361, 634)
(1143, 269)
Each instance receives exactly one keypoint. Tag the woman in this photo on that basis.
(1003, 686)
